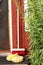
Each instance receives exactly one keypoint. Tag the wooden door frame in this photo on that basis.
(18, 20)
(10, 30)
(10, 22)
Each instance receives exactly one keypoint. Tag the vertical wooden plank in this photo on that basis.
(24, 41)
(22, 25)
(14, 24)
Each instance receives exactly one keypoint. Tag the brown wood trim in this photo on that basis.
(4, 51)
(8, 23)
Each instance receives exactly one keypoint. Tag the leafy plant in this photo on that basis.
(35, 24)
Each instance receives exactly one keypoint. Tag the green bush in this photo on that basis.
(35, 24)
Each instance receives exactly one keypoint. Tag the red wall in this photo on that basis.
(14, 24)
(22, 25)
(23, 35)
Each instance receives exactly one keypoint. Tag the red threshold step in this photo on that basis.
(20, 51)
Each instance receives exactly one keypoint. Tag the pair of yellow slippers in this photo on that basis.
(14, 58)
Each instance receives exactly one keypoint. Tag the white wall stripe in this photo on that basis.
(10, 23)
(18, 49)
(18, 27)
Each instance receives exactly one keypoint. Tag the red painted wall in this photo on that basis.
(14, 24)
(23, 35)
(22, 25)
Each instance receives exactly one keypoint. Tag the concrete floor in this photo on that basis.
(5, 62)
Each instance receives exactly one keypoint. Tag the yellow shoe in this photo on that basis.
(17, 59)
(9, 57)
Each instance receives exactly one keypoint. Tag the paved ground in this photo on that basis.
(4, 61)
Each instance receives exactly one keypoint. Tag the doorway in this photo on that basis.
(4, 28)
